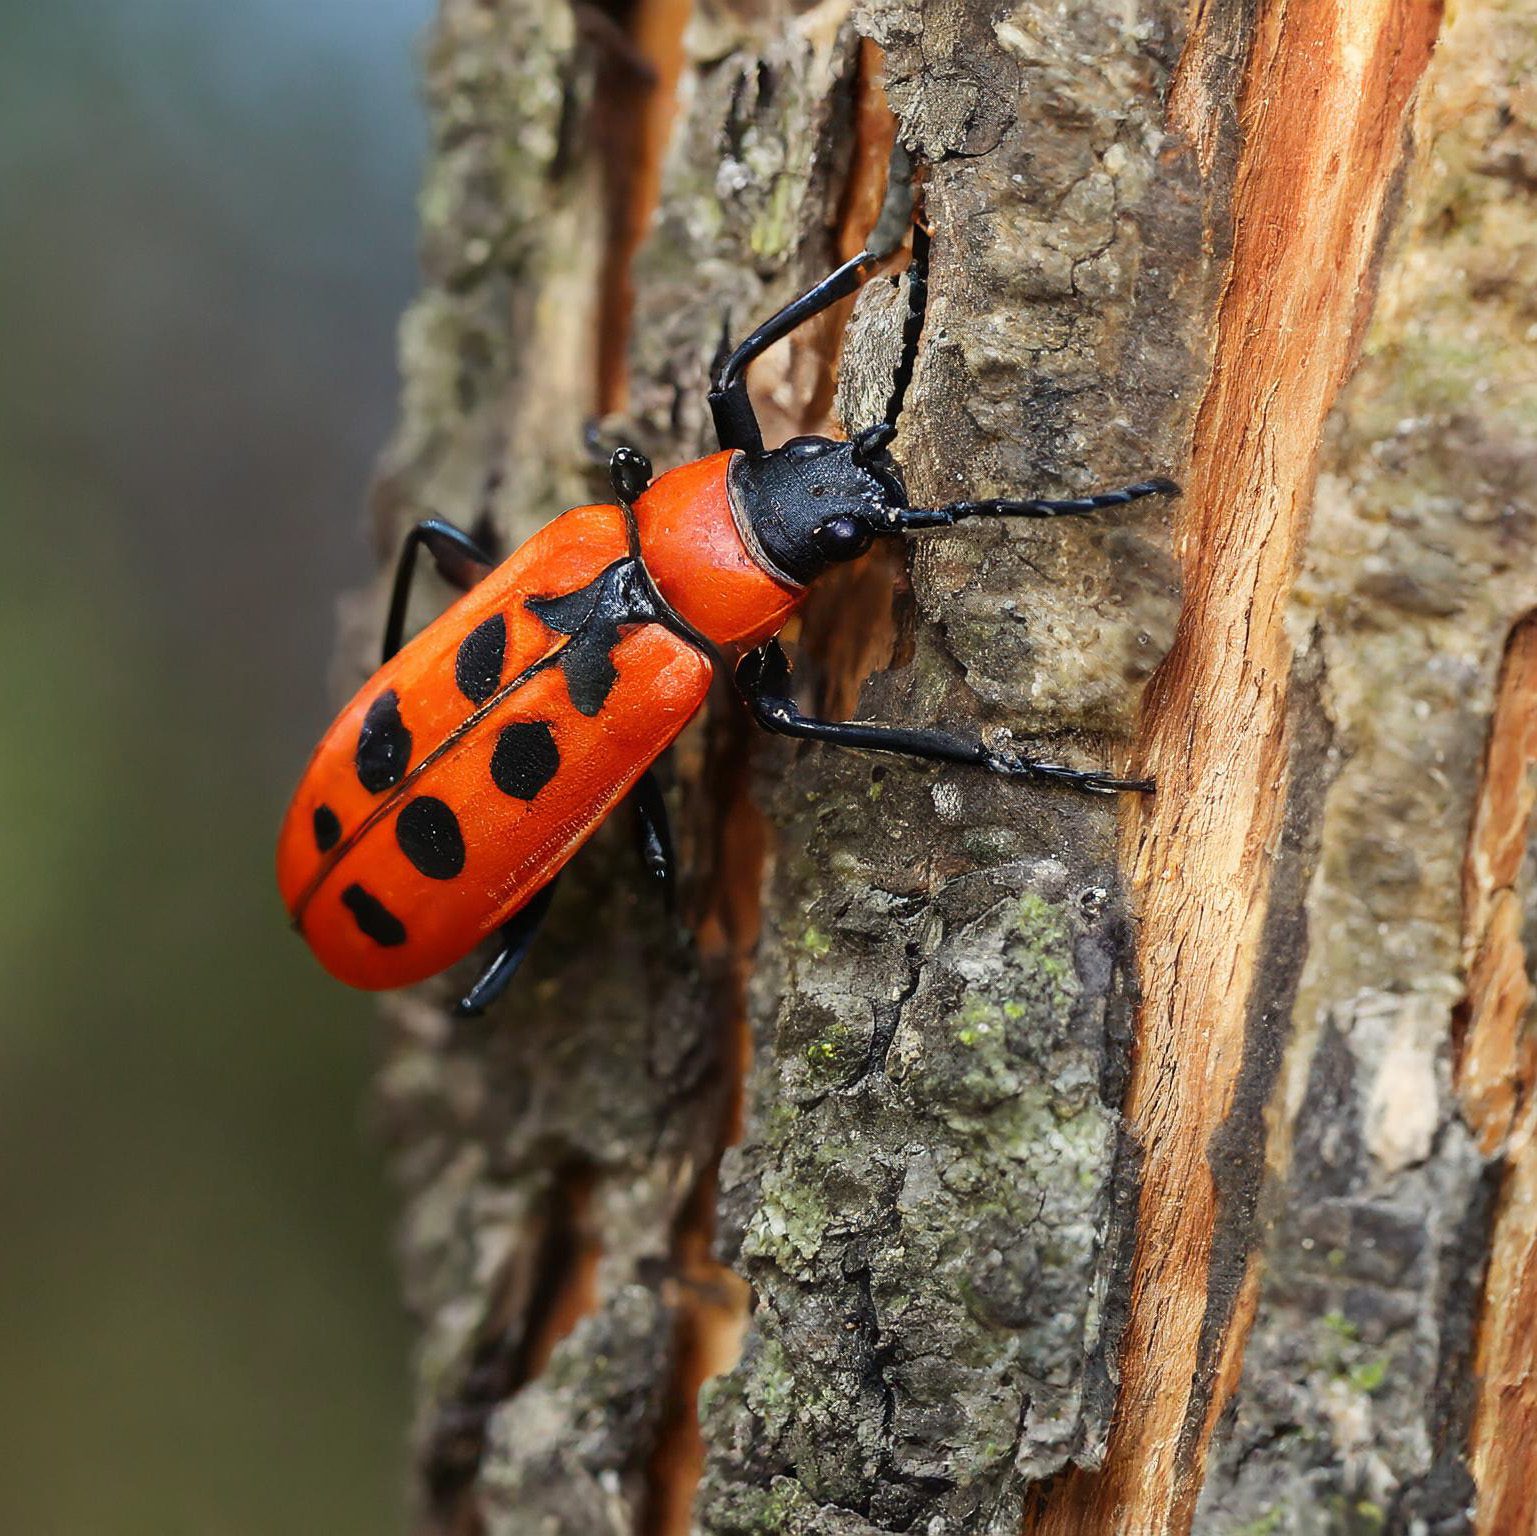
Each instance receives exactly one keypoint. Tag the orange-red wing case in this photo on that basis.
(463, 776)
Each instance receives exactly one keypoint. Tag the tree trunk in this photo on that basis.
(999, 1160)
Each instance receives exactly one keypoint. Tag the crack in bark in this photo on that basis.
(563, 1265)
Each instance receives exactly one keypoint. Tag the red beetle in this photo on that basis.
(441, 806)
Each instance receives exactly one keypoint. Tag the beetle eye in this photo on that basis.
(842, 538)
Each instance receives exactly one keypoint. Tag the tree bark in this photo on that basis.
(977, 1157)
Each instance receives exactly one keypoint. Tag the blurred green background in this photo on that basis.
(206, 243)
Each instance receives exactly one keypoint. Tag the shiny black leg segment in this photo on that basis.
(764, 678)
(736, 425)
(653, 833)
(629, 472)
(517, 936)
(912, 519)
(460, 561)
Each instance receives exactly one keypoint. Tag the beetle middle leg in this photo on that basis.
(653, 833)
(764, 678)
(460, 561)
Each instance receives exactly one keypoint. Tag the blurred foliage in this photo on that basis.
(207, 239)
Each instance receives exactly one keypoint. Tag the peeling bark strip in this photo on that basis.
(1497, 1061)
(1156, 230)
(1358, 1383)
(1495, 1073)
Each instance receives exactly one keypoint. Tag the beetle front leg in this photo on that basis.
(460, 561)
(764, 678)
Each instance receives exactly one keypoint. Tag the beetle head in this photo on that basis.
(815, 502)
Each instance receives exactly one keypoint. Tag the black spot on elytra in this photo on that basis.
(373, 918)
(525, 760)
(327, 828)
(590, 672)
(566, 615)
(428, 834)
(592, 616)
(478, 666)
(384, 744)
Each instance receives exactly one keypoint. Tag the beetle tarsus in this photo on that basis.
(1092, 781)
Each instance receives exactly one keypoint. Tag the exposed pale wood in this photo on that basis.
(1358, 1384)
(1498, 1055)
(1495, 1079)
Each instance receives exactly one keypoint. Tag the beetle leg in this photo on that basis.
(912, 519)
(654, 833)
(736, 425)
(460, 561)
(764, 678)
(629, 472)
(517, 935)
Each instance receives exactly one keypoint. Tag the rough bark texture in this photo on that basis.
(864, 1148)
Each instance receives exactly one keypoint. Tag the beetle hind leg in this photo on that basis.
(517, 938)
